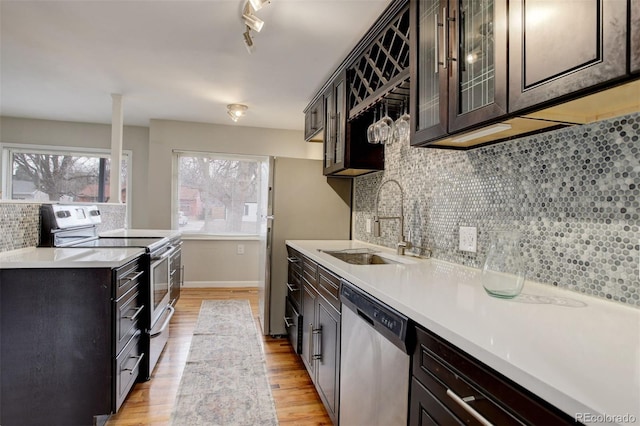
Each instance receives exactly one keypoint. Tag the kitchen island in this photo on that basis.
(70, 333)
(580, 354)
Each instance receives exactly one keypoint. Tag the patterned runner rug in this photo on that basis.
(225, 378)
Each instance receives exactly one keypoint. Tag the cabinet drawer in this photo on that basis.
(294, 290)
(128, 276)
(293, 324)
(426, 409)
(127, 369)
(440, 366)
(294, 259)
(128, 314)
(329, 286)
(310, 271)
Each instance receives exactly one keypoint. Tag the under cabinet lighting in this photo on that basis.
(482, 132)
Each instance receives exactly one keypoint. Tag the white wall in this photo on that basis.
(165, 136)
(87, 135)
(206, 261)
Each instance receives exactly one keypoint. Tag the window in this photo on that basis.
(219, 194)
(59, 174)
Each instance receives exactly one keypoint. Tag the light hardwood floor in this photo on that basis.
(150, 403)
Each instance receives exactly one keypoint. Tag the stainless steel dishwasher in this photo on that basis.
(374, 361)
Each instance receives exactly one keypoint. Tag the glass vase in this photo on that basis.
(503, 271)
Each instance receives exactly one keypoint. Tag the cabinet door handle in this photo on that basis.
(292, 288)
(461, 33)
(311, 339)
(136, 313)
(293, 259)
(129, 278)
(445, 24)
(469, 409)
(436, 49)
(132, 369)
(287, 324)
(318, 333)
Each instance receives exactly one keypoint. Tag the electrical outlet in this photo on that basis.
(368, 226)
(240, 249)
(468, 238)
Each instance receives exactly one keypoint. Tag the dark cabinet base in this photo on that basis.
(448, 386)
(55, 346)
(58, 346)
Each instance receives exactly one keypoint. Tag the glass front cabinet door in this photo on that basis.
(335, 104)
(458, 66)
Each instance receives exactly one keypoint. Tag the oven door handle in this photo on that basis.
(169, 251)
(165, 324)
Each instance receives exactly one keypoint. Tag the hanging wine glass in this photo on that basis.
(402, 125)
(372, 135)
(385, 127)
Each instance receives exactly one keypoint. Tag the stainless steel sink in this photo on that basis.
(360, 257)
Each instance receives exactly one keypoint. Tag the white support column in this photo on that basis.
(116, 149)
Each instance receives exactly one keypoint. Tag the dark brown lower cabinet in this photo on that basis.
(449, 386)
(69, 343)
(320, 349)
(293, 302)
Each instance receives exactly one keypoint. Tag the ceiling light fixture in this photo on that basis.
(236, 111)
(251, 21)
(257, 4)
(248, 40)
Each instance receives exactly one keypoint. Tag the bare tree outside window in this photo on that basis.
(218, 194)
(60, 176)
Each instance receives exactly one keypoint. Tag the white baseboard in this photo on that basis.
(219, 284)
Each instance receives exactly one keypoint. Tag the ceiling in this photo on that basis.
(172, 59)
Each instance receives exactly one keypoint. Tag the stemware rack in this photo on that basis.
(381, 73)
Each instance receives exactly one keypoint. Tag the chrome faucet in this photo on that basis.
(402, 244)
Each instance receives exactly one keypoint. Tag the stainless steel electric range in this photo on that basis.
(75, 226)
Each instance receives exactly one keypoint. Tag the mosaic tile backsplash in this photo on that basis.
(573, 196)
(20, 223)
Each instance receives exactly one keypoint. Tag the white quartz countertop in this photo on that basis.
(141, 233)
(579, 353)
(45, 257)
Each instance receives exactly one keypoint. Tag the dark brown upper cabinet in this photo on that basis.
(635, 36)
(458, 66)
(562, 48)
(335, 107)
(314, 121)
(346, 150)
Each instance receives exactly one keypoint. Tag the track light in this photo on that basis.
(248, 40)
(257, 4)
(253, 22)
(235, 111)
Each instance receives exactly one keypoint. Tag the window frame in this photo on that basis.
(175, 202)
(6, 175)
